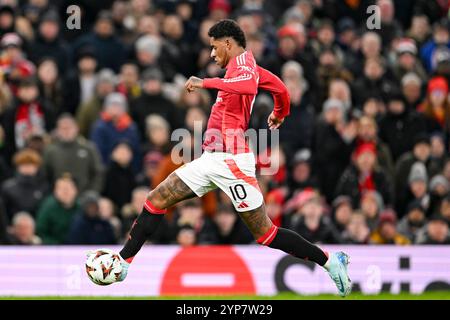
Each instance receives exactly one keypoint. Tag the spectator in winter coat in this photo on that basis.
(357, 231)
(371, 206)
(48, 42)
(436, 232)
(363, 176)
(115, 125)
(80, 83)
(413, 220)
(152, 101)
(23, 230)
(55, 215)
(441, 37)
(27, 189)
(87, 226)
(420, 153)
(89, 112)
(412, 90)
(367, 133)
(387, 233)
(399, 127)
(311, 222)
(119, 176)
(104, 40)
(301, 175)
(28, 117)
(407, 60)
(342, 211)
(436, 107)
(72, 154)
(333, 140)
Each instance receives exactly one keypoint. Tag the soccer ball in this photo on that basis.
(103, 267)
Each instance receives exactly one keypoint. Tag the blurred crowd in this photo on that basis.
(86, 117)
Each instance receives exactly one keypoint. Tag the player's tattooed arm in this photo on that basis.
(169, 192)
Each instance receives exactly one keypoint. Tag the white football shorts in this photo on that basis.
(234, 174)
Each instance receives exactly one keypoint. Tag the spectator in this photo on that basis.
(119, 176)
(7, 19)
(152, 101)
(56, 213)
(373, 82)
(13, 63)
(441, 37)
(371, 205)
(413, 221)
(342, 212)
(389, 27)
(4, 237)
(108, 213)
(72, 154)
(26, 189)
(407, 60)
(148, 52)
(89, 112)
(129, 81)
(186, 236)
(439, 188)
(274, 202)
(87, 226)
(312, 224)
(357, 231)
(420, 153)
(411, 90)
(23, 230)
(191, 214)
(420, 29)
(301, 111)
(400, 126)
(80, 83)
(176, 50)
(104, 40)
(362, 176)
(230, 228)
(387, 233)
(333, 140)
(438, 154)
(436, 232)
(367, 133)
(301, 176)
(150, 168)
(444, 208)
(48, 42)
(435, 107)
(115, 125)
(50, 85)
(30, 116)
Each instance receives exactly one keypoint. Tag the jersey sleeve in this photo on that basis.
(270, 82)
(242, 82)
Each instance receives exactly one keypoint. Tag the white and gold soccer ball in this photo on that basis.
(103, 266)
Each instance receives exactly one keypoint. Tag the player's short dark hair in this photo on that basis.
(228, 28)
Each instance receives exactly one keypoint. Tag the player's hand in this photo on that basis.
(274, 122)
(193, 83)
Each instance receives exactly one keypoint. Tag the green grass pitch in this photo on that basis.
(445, 295)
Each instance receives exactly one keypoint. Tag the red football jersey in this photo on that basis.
(230, 114)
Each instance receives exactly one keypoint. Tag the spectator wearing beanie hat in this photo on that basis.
(25, 191)
(362, 176)
(439, 187)
(219, 9)
(407, 61)
(419, 153)
(436, 107)
(115, 125)
(437, 231)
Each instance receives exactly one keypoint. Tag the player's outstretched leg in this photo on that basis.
(169, 192)
(266, 233)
